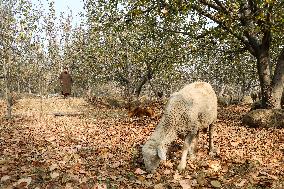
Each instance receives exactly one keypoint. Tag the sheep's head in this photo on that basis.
(152, 155)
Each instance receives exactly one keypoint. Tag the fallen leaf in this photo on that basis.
(82, 171)
(50, 139)
(100, 186)
(84, 186)
(167, 172)
(139, 171)
(115, 165)
(23, 182)
(158, 177)
(185, 184)
(168, 164)
(235, 143)
(141, 178)
(54, 175)
(149, 176)
(177, 176)
(268, 175)
(5, 178)
(84, 180)
(242, 183)
(201, 180)
(53, 167)
(215, 184)
(68, 186)
(159, 186)
(215, 166)
(3, 161)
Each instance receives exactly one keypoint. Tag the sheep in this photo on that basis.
(188, 111)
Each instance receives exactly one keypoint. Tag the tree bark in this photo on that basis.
(263, 70)
(147, 77)
(271, 90)
(278, 82)
(139, 86)
(7, 62)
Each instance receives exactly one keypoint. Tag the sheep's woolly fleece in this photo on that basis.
(192, 108)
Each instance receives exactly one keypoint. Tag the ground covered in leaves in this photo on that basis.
(91, 147)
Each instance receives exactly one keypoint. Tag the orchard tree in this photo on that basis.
(255, 25)
(18, 25)
(134, 54)
(227, 66)
(8, 31)
(27, 44)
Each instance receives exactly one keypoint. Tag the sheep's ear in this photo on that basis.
(161, 153)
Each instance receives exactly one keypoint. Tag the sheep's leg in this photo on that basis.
(210, 137)
(193, 146)
(189, 147)
(212, 150)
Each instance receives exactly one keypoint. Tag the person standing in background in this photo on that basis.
(66, 82)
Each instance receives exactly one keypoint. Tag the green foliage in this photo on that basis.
(139, 45)
(215, 36)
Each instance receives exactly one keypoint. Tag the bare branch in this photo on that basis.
(202, 35)
(279, 5)
(252, 6)
(221, 24)
(174, 31)
(266, 39)
(221, 6)
(217, 8)
(269, 12)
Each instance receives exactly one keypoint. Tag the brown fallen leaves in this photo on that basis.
(140, 112)
(102, 149)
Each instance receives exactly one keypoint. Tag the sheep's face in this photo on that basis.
(152, 156)
(151, 159)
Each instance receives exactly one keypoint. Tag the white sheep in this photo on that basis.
(187, 112)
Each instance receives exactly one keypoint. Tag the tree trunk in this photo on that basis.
(29, 86)
(263, 69)
(139, 86)
(19, 86)
(147, 77)
(7, 62)
(271, 90)
(278, 82)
